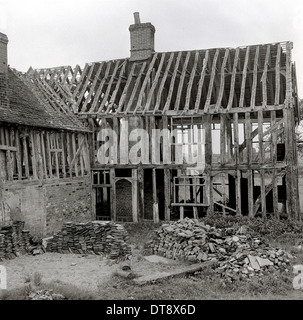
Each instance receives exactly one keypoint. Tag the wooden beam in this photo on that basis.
(190, 83)
(211, 81)
(75, 159)
(117, 87)
(167, 193)
(155, 83)
(146, 82)
(155, 198)
(244, 74)
(249, 158)
(233, 80)
(222, 80)
(201, 81)
(161, 87)
(133, 95)
(100, 88)
(92, 88)
(113, 196)
(109, 86)
(135, 195)
(181, 81)
(264, 77)
(33, 154)
(255, 78)
(125, 90)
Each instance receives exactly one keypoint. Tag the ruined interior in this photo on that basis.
(235, 109)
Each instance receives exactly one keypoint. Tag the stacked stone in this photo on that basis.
(14, 240)
(96, 237)
(238, 255)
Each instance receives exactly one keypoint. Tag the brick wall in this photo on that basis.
(67, 202)
(141, 41)
(46, 206)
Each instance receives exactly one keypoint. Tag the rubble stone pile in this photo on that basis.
(14, 241)
(95, 237)
(238, 254)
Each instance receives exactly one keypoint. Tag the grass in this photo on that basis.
(203, 285)
(70, 292)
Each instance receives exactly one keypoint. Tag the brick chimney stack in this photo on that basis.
(4, 100)
(3, 52)
(141, 39)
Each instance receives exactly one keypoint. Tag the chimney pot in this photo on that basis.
(137, 17)
(3, 52)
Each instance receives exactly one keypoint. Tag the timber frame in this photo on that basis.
(245, 100)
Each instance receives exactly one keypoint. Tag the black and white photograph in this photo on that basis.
(151, 153)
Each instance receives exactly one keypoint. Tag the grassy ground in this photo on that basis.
(202, 285)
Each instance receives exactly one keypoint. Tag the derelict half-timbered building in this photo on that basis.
(184, 133)
(44, 157)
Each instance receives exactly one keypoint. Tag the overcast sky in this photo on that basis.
(69, 32)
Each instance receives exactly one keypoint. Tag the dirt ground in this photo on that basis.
(84, 271)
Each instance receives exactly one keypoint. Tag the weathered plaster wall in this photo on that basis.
(46, 206)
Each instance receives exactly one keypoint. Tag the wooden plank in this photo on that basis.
(146, 82)
(190, 83)
(238, 193)
(63, 154)
(81, 155)
(233, 79)
(7, 148)
(69, 153)
(135, 89)
(77, 152)
(249, 159)
(244, 74)
(263, 193)
(264, 77)
(100, 88)
(172, 83)
(55, 141)
(81, 80)
(277, 80)
(167, 193)
(92, 89)
(155, 198)
(74, 162)
(155, 83)
(39, 155)
(108, 89)
(113, 196)
(255, 79)
(117, 88)
(33, 154)
(50, 166)
(260, 136)
(211, 82)
(181, 212)
(222, 139)
(201, 81)
(172, 273)
(161, 87)
(18, 155)
(181, 81)
(44, 159)
(222, 80)
(135, 195)
(125, 90)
